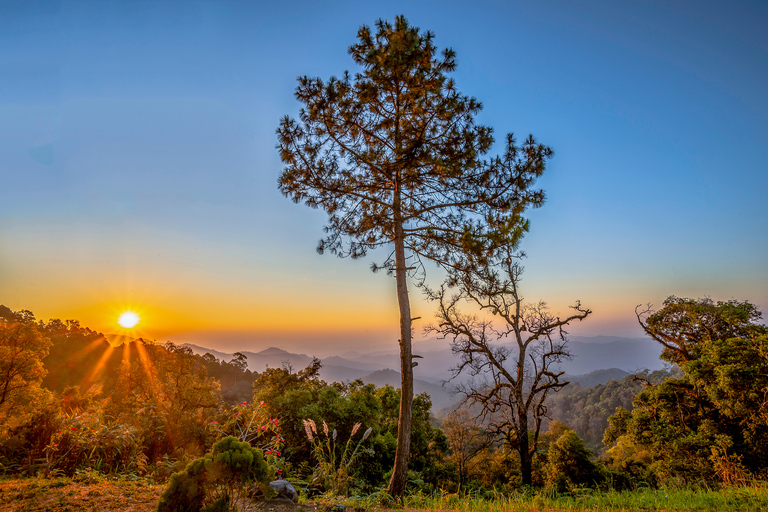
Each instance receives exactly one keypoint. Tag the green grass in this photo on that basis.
(753, 498)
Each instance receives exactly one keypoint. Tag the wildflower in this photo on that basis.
(367, 433)
(237, 414)
(275, 421)
(214, 423)
(355, 429)
(325, 428)
(314, 427)
(261, 404)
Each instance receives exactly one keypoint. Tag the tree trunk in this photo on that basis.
(526, 467)
(400, 470)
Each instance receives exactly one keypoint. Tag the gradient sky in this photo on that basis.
(138, 164)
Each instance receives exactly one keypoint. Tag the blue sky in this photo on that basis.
(139, 167)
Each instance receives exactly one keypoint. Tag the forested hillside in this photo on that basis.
(586, 408)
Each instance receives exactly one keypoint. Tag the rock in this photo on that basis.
(284, 490)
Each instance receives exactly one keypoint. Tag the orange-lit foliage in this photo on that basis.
(167, 393)
(22, 346)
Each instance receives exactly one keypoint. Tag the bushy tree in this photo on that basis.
(569, 463)
(682, 325)
(22, 349)
(393, 156)
(466, 439)
(711, 422)
(219, 481)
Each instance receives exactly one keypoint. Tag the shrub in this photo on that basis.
(219, 481)
(569, 464)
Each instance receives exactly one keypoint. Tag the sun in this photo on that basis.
(128, 319)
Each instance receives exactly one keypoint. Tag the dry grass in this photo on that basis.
(79, 494)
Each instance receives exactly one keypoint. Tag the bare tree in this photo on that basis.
(512, 365)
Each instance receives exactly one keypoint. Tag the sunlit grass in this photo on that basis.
(752, 498)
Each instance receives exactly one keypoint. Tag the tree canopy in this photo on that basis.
(22, 348)
(712, 422)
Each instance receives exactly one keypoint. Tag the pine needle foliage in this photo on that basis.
(397, 144)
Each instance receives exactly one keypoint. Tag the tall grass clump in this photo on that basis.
(334, 463)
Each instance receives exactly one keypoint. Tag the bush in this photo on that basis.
(569, 464)
(219, 481)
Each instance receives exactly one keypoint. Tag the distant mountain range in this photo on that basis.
(596, 361)
(600, 352)
(334, 368)
(597, 377)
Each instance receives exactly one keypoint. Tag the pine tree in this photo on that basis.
(395, 159)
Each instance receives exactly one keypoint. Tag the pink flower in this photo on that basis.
(262, 403)
(214, 423)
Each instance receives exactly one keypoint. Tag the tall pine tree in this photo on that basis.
(395, 159)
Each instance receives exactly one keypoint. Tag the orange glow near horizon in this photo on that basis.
(164, 320)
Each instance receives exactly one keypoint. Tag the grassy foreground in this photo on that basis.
(753, 498)
(92, 492)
